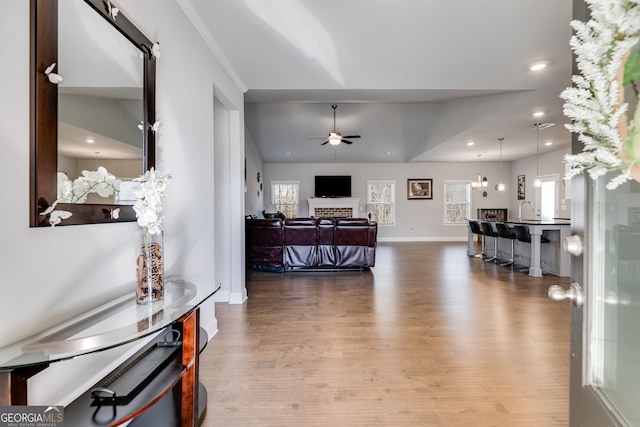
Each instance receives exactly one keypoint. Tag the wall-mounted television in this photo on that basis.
(333, 186)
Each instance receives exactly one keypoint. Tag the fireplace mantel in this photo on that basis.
(333, 203)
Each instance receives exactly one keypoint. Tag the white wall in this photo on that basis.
(426, 217)
(50, 274)
(254, 196)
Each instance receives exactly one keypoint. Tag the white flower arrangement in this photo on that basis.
(99, 181)
(608, 59)
(148, 207)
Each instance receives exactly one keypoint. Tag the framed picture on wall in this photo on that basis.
(521, 187)
(419, 189)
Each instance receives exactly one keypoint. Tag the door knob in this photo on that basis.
(573, 245)
(574, 293)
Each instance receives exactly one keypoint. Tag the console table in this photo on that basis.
(111, 325)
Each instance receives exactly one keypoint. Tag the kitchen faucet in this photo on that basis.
(520, 209)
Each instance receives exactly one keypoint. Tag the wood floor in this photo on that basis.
(429, 337)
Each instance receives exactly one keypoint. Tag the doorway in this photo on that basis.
(547, 197)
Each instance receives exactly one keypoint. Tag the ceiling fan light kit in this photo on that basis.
(335, 138)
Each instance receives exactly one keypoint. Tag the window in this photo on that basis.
(457, 202)
(381, 197)
(284, 195)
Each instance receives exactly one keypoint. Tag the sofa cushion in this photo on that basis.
(264, 242)
(300, 231)
(351, 221)
(351, 239)
(300, 242)
(326, 249)
(351, 233)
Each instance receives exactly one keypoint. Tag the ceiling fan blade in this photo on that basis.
(351, 136)
(324, 137)
(347, 142)
(326, 142)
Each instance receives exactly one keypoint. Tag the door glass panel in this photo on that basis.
(613, 269)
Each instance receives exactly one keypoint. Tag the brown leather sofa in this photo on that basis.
(311, 243)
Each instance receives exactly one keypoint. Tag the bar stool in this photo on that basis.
(523, 235)
(475, 229)
(506, 233)
(488, 230)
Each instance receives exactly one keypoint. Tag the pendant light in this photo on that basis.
(538, 182)
(481, 182)
(501, 186)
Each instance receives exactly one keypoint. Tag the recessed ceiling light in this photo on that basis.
(538, 66)
(470, 143)
(90, 140)
(538, 113)
(548, 143)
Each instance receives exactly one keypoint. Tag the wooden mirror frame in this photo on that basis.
(44, 115)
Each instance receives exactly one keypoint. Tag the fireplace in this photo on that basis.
(339, 207)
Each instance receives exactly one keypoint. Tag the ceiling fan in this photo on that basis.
(334, 137)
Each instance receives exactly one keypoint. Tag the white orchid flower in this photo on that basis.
(99, 181)
(65, 188)
(150, 193)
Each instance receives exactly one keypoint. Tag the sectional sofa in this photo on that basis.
(311, 244)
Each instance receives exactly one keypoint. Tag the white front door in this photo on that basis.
(605, 327)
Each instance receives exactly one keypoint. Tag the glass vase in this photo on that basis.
(149, 267)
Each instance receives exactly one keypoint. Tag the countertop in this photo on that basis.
(532, 221)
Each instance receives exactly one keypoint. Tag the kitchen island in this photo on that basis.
(541, 258)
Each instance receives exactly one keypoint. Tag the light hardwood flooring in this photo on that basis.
(429, 337)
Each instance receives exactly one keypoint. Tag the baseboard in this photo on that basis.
(210, 325)
(230, 297)
(237, 298)
(422, 239)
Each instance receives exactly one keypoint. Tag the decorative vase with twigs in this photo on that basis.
(149, 240)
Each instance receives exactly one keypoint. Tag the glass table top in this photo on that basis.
(118, 322)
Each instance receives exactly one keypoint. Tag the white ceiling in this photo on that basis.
(418, 79)
(99, 64)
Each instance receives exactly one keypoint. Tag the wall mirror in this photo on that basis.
(91, 118)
